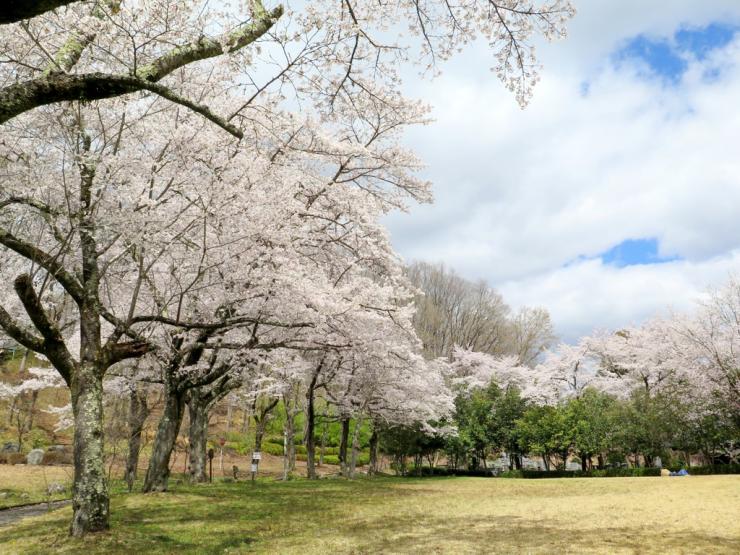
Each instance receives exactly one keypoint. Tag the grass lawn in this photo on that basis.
(440, 515)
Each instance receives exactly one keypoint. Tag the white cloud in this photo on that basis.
(521, 194)
(590, 294)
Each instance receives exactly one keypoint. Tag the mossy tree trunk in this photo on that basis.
(311, 422)
(138, 412)
(355, 447)
(158, 473)
(90, 502)
(198, 434)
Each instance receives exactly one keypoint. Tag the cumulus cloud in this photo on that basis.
(606, 152)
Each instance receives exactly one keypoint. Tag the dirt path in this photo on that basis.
(14, 514)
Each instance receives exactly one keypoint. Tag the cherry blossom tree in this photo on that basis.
(127, 220)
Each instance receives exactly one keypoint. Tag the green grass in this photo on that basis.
(437, 515)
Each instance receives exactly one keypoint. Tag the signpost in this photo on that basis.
(256, 457)
(210, 464)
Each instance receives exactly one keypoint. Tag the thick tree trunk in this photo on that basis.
(290, 414)
(355, 447)
(138, 411)
(90, 502)
(324, 434)
(546, 461)
(246, 419)
(198, 435)
(343, 444)
(584, 465)
(310, 425)
(32, 409)
(374, 442)
(289, 442)
(158, 472)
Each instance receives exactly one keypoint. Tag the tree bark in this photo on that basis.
(198, 434)
(90, 504)
(138, 412)
(158, 472)
(289, 445)
(311, 425)
(19, 10)
(374, 443)
(324, 433)
(259, 434)
(355, 447)
(289, 429)
(343, 443)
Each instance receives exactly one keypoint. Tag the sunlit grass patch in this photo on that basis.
(442, 515)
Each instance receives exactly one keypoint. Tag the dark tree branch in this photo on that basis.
(122, 351)
(212, 326)
(205, 48)
(23, 336)
(58, 87)
(50, 263)
(54, 346)
(17, 10)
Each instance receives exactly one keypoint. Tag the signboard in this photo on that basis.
(256, 456)
(254, 468)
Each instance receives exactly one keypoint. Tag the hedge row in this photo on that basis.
(276, 448)
(330, 454)
(604, 473)
(711, 469)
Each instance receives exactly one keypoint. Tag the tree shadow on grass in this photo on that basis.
(306, 517)
(198, 519)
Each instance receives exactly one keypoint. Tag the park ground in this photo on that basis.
(389, 515)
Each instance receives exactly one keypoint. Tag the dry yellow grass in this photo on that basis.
(446, 515)
(32, 478)
(20, 484)
(609, 515)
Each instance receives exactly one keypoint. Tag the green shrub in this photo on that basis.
(362, 459)
(710, 469)
(234, 437)
(38, 438)
(603, 473)
(273, 449)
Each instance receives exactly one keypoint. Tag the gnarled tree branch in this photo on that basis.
(17, 10)
(58, 87)
(54, 346)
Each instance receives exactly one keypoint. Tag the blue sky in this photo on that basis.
(614, 195)
(666, 57)
(632, 252)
